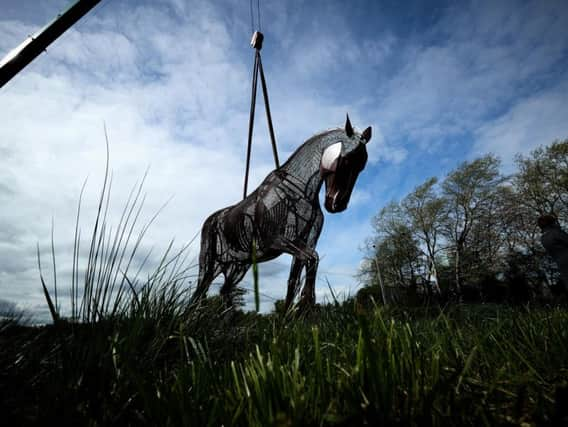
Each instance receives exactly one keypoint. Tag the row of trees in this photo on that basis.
(473, 235)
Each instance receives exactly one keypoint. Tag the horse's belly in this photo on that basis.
(236, 227)
(268, 255)
(284, 224)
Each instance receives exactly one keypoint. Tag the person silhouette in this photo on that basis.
(555, 241)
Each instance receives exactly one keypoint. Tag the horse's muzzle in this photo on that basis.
(334, 203)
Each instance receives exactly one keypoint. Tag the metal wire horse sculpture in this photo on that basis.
(283, 215)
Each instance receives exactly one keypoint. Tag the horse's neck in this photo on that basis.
(304, 167)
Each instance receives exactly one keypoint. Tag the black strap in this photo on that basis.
(268, 115)
(257, 44)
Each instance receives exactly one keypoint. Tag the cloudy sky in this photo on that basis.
(440, 82)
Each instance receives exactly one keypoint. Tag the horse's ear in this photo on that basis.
(348, 127)
(366, 135)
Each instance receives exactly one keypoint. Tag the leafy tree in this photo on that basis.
(470, 192)
(541, 187)
(426, 212)
(476, 228)
(521, 237)
(395, 259)
(542, 179)
(398, 260)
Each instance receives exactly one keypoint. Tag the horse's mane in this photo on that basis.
(309, 141)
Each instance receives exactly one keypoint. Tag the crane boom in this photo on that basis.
(26, 52)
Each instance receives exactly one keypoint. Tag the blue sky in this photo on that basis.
(440, 82)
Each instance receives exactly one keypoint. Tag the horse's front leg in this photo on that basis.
(303, 256)
(293, 281)
(308, 298)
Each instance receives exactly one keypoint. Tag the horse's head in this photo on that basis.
(341, 163)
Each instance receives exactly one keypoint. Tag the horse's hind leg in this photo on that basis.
(209, 268)
(233, 275)
(207, 274)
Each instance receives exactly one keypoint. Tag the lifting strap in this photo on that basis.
(256, 43)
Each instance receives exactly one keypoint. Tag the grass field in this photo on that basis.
(160, 362)
(133, 351)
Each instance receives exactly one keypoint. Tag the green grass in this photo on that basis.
(202, 366)
(133, 351)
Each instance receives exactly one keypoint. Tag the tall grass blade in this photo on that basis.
(52, 309)
(54, 269)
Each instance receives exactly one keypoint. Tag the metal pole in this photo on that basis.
(26, 52)
(380, 278)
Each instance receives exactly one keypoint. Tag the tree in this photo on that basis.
(477, 228)
(542, 179)
(395, 259)
(521, 235)
(469, 191)
(398, 262)
(541, 187)
(427, 214)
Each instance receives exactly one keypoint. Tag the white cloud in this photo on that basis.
(483, 59)
(172, 82)
(173, 97)
(182, 125)
(537, 120)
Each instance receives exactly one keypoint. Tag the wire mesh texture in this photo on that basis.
(283, 215)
